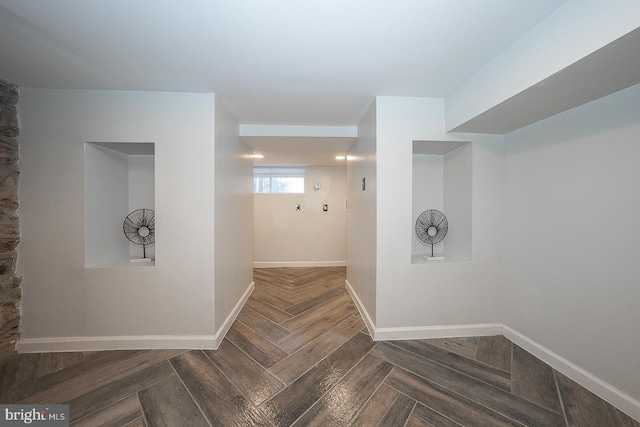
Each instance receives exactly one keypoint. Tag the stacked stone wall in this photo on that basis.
(10, 291)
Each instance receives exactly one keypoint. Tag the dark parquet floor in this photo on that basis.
(299, 354)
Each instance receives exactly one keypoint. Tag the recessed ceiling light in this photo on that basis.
(258, 156)
(340, 157)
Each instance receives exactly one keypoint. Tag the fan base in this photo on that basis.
(433, 258)
(141, 260)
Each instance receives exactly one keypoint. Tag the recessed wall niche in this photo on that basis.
(119, 178)
(442, 180)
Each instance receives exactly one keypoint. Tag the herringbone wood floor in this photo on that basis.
(299, 354)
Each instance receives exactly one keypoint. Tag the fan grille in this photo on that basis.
(140, 227)
(431, 226)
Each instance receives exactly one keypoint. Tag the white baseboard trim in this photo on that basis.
(421, 332)
(440, 331)
(138, 342)
(222, 331)
(268, 264)
(361, 309)
(604, 390)
(134, 342)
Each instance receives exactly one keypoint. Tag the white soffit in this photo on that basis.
(131, 148)
(301, 109)
(437, 147)
(609, 69)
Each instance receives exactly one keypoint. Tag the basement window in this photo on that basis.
(278, 180)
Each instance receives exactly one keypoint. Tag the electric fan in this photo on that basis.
(140, 228)
(431, 227)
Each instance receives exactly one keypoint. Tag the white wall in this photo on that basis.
(233, 218)
(419, 300)
(141, 192)
(171, 303)
(428, 186)
(361, 217)
(106, 205)
(458, 202)
(285, 237)
(571, 259)
(141, 181)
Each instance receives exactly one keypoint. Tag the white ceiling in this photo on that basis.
(311, 62)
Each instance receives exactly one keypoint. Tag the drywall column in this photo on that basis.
(69, 307)
(440, 299)
(10, 292)
(361, 218)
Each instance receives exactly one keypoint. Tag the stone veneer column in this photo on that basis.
(10, 292)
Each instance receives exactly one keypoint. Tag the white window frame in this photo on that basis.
(259, 172)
